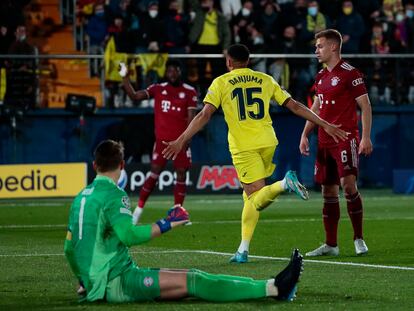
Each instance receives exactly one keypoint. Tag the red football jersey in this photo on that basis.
(337, 92)
(171, 106)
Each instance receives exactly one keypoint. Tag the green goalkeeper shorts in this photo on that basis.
(135, 284)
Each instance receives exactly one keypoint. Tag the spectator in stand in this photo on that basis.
(293, 74)
(390, 8)
(230, 8)
(177, 28)
(256, 44)
(119, 30)
(6, 39)
(242, 23)
(351, 25)
(398, 34)
(267, 22)
(315, 22)
(152, 31)
(209, 33)
(380, 73)
(20, 91)
(97, 31)
(370, 10)
(123, 8)
(409, 27)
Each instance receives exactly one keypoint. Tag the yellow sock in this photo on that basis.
(265, 196)
(250, 217)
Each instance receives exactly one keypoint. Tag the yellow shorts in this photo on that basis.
(253, 165)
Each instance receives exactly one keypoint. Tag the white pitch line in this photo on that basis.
(339, 263)
(214, 222)
(202, 201)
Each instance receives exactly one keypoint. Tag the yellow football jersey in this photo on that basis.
(244, 96)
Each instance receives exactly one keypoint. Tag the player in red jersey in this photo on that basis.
(175, 105)
(340, 88)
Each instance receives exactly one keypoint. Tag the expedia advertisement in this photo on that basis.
(201, 178)
(42, 180)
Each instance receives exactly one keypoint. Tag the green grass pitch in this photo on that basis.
(34, 274)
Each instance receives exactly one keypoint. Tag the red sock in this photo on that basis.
(331, 214)
(179, 192)
(355, 212)
(146, 189)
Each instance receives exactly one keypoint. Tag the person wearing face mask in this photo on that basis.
(351, 25)
(315, 21)
(409, 24)
(209, 34)
(390, 9)
(152, 33)
(177, 27)
(241, 23)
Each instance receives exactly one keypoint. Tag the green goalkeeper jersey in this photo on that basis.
(96, 251)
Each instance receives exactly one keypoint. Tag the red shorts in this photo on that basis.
(332, 163)
(183, 159)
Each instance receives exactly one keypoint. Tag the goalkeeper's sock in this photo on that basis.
(265, 196)
(179, 192)
(147, 188)
(331, 214)
(250, 217)
(224, 288)
(355, 212)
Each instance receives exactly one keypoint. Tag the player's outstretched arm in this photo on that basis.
(309, 126)
(138, 95)
(130, 234)
(301, 110)
(173, 148)
(365, 146)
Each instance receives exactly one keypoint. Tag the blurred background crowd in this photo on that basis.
(185, 27)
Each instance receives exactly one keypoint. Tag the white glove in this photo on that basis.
(123, 70)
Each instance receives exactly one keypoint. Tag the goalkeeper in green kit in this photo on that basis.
(100, 231)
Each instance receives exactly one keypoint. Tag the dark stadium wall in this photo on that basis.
(58, 136)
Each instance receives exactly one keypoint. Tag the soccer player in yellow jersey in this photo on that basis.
(244, 96)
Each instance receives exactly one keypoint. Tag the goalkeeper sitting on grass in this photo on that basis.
(100, 231)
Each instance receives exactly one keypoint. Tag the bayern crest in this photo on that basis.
(335, 81)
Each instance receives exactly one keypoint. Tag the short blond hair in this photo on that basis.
(330, 34)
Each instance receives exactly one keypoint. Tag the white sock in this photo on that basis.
(137, 214)
(244, 246)
(271, 289)
(284, 184)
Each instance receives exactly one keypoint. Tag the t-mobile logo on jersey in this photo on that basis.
(165, 105)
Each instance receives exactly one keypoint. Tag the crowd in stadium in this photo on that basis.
(265, 26)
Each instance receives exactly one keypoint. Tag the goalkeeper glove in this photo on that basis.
(175, 216)
(123, 70)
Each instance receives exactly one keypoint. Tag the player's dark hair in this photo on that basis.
(330, 34)
(239, 53)
(108, 155)
(174, 63)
